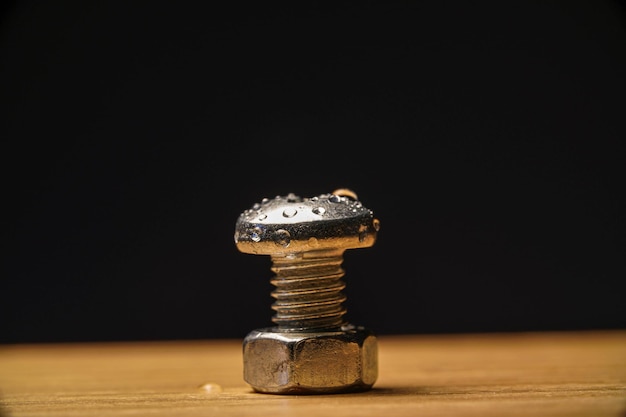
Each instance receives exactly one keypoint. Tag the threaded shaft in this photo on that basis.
(308, 290)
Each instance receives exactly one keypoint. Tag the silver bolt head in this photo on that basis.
(291, 224)
(279, 362)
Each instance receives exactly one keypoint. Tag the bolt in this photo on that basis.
(311, 349)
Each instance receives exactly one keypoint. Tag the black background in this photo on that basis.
(487, 137)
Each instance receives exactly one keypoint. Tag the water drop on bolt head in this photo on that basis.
(256, 234)
(289, 212)
(282, 238)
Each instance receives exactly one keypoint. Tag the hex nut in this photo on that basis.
(280, 362)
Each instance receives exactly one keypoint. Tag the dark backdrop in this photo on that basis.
(486, 136)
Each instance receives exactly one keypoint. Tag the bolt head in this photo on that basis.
(281, 362)
(291, 224)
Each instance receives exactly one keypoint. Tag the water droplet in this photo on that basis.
(334, 198)
(319, 210)
(262, 216)
(282, 238)
(211, 388)
(256, 234)
(256, 206)
(292, 198)
(265, 200)
(376, 224)
(362, 233)
(345, 192)
(289, 212)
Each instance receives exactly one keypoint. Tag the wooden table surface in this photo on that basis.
(513, 374)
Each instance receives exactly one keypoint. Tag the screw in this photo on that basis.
(311, 348)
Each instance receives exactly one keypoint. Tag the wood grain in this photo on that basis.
(519, 374)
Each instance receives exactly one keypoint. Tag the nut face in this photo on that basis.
(299, 363)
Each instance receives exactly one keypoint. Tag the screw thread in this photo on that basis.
(308, 290)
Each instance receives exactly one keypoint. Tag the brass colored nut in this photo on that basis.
(312, 349)
(322, 362)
